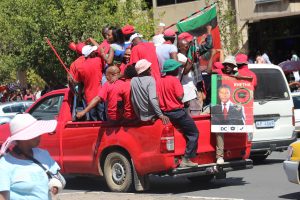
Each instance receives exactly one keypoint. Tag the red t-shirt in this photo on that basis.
(75, 65)
(125, 95)
(90, 74)
(123, 66)
(146, 50)
(110, 94)
(244, 71)
(169, 89)
(104, 45)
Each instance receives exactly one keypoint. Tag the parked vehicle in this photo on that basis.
(274, 122)
(296, 100)
(10, 109)
(291, 165)
(126, 154)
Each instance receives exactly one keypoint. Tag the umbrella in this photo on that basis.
(290, 66)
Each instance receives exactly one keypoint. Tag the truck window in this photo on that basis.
(271, 85)
(48, 108)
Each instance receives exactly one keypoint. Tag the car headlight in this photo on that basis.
(289, 152)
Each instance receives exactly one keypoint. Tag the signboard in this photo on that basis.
(231, 105)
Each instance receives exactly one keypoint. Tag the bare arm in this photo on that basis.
(4, 195)
(91, 105)
(187, 67)
(93, 42)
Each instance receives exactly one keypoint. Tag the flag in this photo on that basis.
(196, 25)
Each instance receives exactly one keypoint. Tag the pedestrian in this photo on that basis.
(243, 70)
(167, 50)
(144, 50)
(143, 94)
(25, 168)
(190, 100)
(38, 93)
(89, 73)
(226, 68)
(170, 100)
(108, 94)
(28, 95)
(116, 40)
(125, 61)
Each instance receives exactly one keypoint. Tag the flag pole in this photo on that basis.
(58, 57)
(198, 11)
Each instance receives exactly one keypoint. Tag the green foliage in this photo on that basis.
(25, 23)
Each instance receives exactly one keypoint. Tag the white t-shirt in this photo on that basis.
(189, 88)
(25, 179)
(163, 53)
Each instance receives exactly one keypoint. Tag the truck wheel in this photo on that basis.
(118, 172)
(202, 179)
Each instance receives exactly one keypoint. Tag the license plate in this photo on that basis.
(265, 124)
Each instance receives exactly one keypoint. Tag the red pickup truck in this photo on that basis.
(127, 154)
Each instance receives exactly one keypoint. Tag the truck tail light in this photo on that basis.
(167, 140)
(293, 117)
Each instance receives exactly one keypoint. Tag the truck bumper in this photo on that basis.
(291, 169)
(273, 145)
(212, 168)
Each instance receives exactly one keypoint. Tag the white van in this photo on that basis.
(274, 125)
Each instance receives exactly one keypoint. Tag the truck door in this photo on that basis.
(48, 108)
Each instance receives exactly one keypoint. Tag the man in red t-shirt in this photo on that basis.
(170, 96)
(243, 70)
(89, 72)
(77, 62)
(115, 93)
(144, 50)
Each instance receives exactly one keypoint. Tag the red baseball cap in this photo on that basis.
(186, 36)
(72, 46)
(241, 59)
(169, 33)
(128, 29)
(79, 47)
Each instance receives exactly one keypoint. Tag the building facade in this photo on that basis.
(265, 25)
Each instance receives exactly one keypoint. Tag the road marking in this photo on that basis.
(210, 198)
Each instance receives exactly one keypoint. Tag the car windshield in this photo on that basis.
(296, 100)
(270, 85)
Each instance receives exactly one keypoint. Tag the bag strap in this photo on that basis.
(19, 151)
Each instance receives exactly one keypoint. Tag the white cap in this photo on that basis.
(136, 35)
(88, 49)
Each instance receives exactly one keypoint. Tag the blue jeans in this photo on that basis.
(187, 126)
(98, 112)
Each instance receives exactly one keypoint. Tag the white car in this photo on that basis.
(296, 99)
(10, 109)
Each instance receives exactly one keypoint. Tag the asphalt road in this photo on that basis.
(266, 181)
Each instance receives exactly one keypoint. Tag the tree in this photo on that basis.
(25, 23)
(230, 36)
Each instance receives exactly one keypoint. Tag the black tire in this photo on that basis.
(118, 172)
(201, 179)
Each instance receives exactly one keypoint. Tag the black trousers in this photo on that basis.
(181, 120)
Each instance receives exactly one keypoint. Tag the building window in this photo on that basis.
(170, 2)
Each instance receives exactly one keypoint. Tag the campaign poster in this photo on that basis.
(231, 104)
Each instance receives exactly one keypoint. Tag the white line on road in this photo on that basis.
(210, 198)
